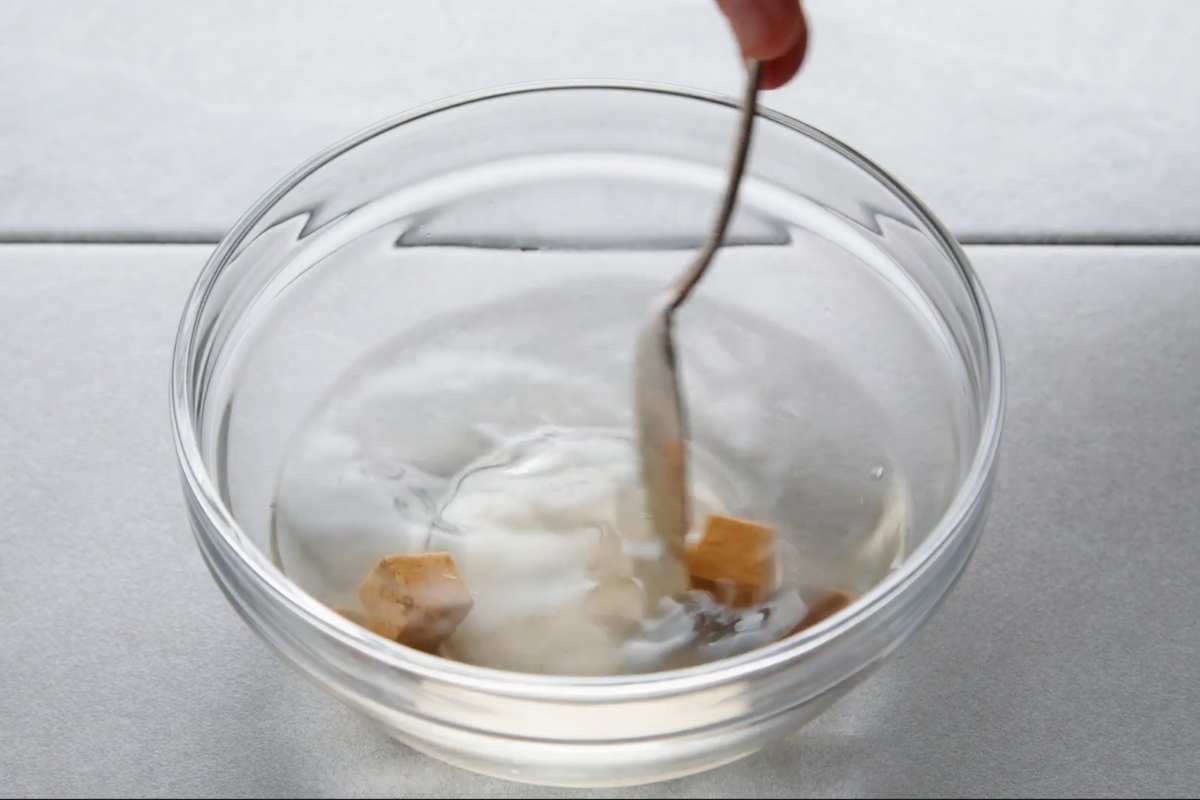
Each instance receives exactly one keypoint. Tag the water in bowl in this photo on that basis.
(481, 434)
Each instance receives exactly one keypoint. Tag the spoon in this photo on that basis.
(662, 428)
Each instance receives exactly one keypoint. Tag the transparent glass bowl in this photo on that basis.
(842, 335)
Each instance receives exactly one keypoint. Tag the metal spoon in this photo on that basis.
(662, 428)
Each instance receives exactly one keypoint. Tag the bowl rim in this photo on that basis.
(205, 499)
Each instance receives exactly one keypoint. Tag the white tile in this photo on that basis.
(1028, 118)
(1064, 661)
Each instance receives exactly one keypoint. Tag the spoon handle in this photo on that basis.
(659, 408)
(695, 271)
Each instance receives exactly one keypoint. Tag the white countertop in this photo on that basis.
(1067, 660)
(1019, 120)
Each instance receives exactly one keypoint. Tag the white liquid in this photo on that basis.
(552, 536)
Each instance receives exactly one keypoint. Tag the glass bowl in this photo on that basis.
(498, 252)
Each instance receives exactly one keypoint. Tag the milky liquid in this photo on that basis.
(480, 436)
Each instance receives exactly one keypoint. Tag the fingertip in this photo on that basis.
(765, 29)
(778, 71)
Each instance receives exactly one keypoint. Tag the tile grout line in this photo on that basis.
(1080, 241)
(101, 239)
(966, 241)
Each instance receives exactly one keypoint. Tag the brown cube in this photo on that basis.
(417, 600)
(828, 606)
(360, 618)
(734, 561)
